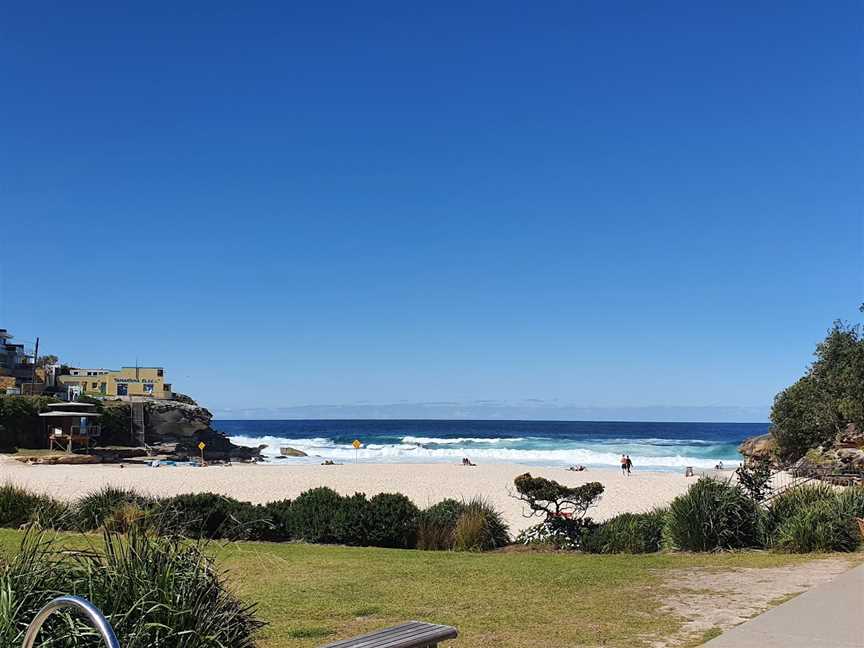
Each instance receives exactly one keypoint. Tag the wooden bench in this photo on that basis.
(413, 634)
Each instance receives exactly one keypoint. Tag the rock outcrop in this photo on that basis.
(183, 425)
(844, 456)
(759, 447)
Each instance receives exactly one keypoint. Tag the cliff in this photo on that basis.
(177, 427)
(844, 455)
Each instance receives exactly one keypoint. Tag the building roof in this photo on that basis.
(75, 414)
(54, 406)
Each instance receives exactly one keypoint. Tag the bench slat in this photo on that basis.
(414, 634)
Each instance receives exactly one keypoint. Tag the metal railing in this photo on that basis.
(90, 611)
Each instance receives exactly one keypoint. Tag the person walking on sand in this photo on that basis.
(628, 464)
(623, 464)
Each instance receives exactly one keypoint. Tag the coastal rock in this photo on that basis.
(850, 437)
(758, 447)
(285, 451)
(169, 421)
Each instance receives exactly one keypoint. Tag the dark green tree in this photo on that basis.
(826, 399)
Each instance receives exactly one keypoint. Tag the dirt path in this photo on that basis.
(712, 600)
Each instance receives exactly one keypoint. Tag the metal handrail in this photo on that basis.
(91, 611)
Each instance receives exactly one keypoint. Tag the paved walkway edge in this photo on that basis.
(828, 616)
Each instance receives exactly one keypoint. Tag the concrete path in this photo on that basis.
(828, 616)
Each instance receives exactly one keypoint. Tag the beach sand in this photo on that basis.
(425, 484)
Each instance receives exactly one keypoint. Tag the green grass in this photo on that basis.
(313, 594)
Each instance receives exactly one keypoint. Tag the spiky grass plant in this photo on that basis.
(712, 515)
(629, 533)
(154, 590)
(96, 508)
(822, 526)
(480, 527)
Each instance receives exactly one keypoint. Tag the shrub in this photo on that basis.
(54, 514)
(351, 520)
(851, 501)
(392, 521)
(279, 515)
(480, 527)
(821, 526)
(629, 533)
(787, 504)
(19, 506)
(549, 498)
(155, 591)
(313, 515)
(94, 509)
(209, 515)
(559, 533)
(436, 524)
(754, 477)
(711, 515)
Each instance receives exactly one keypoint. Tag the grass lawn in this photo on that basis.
(313, 594)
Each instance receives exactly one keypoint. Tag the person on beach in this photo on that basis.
(623, 464)
(629, 465)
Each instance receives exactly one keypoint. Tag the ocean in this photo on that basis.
(654, 446)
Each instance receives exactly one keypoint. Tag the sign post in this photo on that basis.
(356, 445)
(201, 446)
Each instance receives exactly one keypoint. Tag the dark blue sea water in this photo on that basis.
(658, 446)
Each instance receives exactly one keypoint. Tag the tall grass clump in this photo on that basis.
(436, 524)
(164, 591)
(632, 533)
(822, 526)
(850, 501)
(154, 590)
(710, 516)
(209, 515)
(480, 527)
(787, 505)
(98, 507)
(18, 507)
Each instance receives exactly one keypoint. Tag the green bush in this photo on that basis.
(392, 521)
(480, 527)
(629, 533)
(819, 527)
(711, 515)
(94, 509)
(154, 590)
(851, 501)
(789, 503)
(436, 524)
(559, 533)
(279, 515)
(351, 521)
(209, 515)
(19, 506)
(313, 515)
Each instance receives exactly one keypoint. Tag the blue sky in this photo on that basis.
(613, 206)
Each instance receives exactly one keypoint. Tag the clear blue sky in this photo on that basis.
(611, 204)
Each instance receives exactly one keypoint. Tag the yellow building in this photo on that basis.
(128, 381)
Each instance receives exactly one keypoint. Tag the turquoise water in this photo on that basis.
(651, 445)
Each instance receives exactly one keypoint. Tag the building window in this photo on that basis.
(95, 385)
(122, 389)
(148, 388)
(102, 387)
(160, 372)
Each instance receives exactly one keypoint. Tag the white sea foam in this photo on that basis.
(456, 441)
(414, 451)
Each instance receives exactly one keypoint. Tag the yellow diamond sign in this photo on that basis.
(202, 445)
(357, 444)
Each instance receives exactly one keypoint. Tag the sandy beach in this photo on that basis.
(424, 483)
